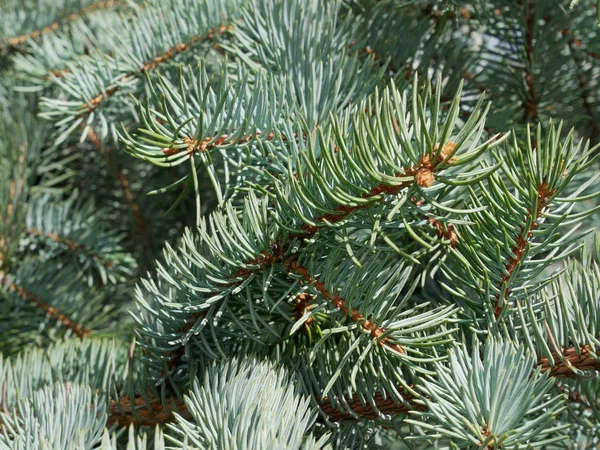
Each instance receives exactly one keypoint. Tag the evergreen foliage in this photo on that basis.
(299, 224)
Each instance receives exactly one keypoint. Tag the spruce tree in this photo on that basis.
(299, 224)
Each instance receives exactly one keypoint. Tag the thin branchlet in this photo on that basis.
(530, 104)
(78, 329)
(521, 244)
(75, 247)
(423, 175)
(125, 187)
(168, 55)
(354, 314)
(16, 41)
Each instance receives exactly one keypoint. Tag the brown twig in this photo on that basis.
(377, 57)
(261, 262)
(574, 44)
(125, 187)
(3, 402)
(367, 411)
(67, 242)
(530, 105)
(7, 216)
(152, 64)
(423, 175)
(18, 40)
(302, 307)
(447, 232)
(185, 46)
(193, 146)
(141, 412)
(521, 244)
(374, 330)
(569, 359)
(77, 328)
(575, 397)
